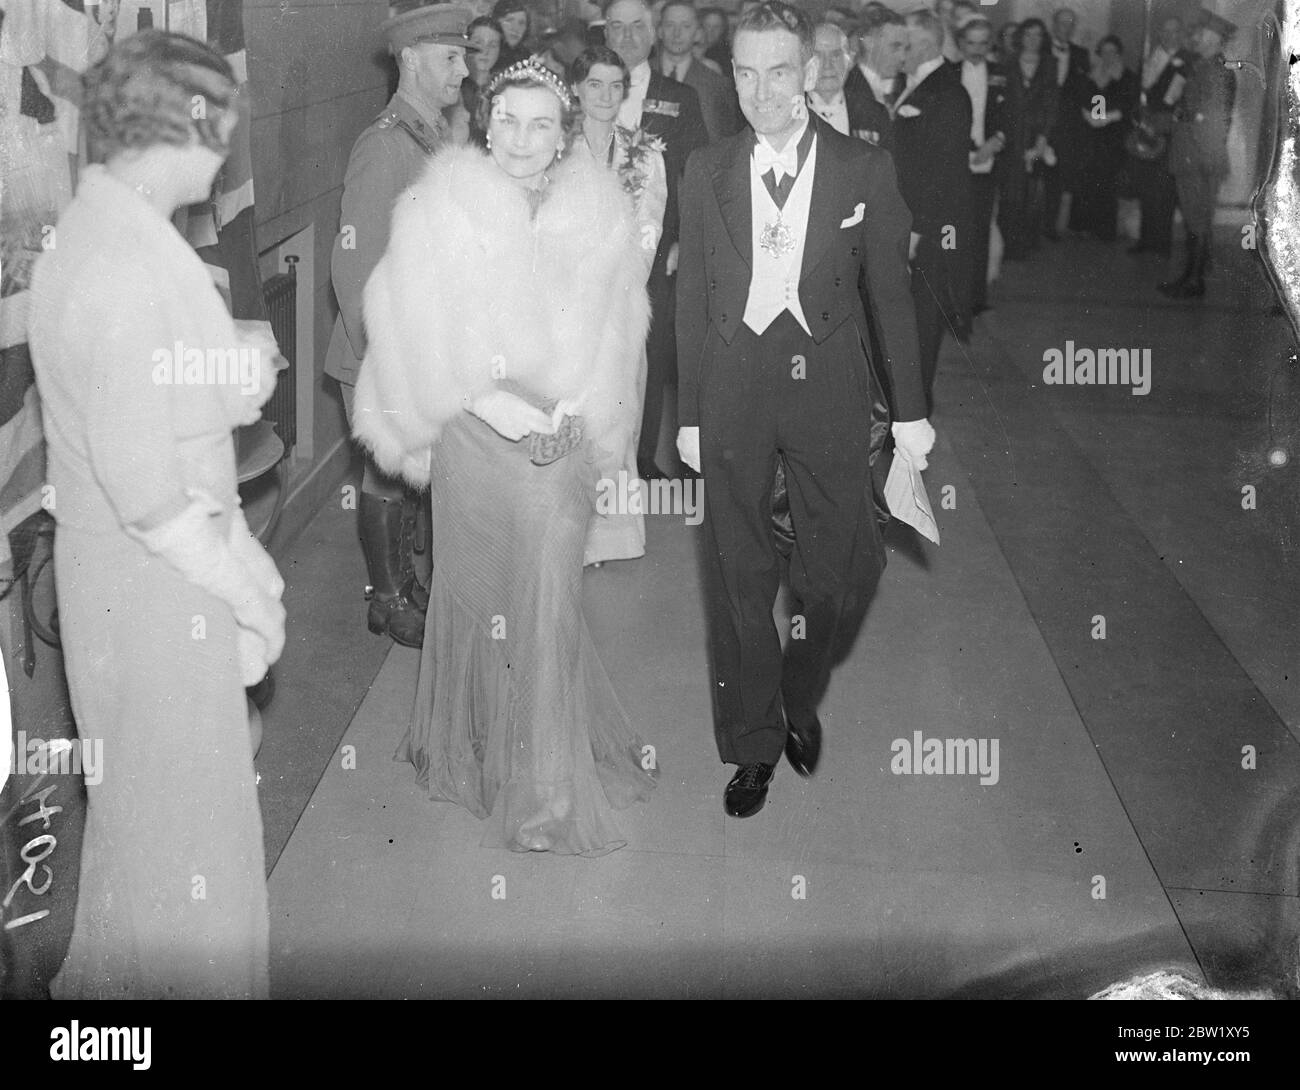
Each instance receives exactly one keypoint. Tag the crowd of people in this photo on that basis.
(539, 236)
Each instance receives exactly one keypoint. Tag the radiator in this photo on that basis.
(281, 295)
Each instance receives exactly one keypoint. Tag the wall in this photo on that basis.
(317, 77)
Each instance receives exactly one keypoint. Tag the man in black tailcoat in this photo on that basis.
(932, 125)
(779, 224)
(986, 85)
(876, 80)
(1071, 63)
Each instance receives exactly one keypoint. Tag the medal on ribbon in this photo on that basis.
(777, 238)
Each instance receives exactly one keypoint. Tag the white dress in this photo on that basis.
(618, 529)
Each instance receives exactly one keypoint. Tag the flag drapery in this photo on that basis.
(45, 45)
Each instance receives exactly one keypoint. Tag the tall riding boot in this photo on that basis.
(1177, 289)
(1196, 285)
(382, 540)
(415, 534)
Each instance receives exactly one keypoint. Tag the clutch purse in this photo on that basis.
(545, 449)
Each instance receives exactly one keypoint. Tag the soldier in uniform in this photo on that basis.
(1198, 150)
(429, 45)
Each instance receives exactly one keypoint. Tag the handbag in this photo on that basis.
(544, 449)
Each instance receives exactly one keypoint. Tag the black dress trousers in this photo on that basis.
(764, 396)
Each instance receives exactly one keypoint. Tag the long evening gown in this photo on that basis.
(172, 900)
(515, 717)
(620, 534)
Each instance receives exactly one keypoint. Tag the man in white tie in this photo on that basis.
(834, 59)
(987, 87)
(1071, 63)
(953, 13)
(875, 82)
(882, 47)
(779, 228)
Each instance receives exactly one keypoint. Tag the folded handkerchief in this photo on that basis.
(906, 498)
(856, 218)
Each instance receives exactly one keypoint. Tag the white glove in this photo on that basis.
(191, 544)
(254, 656)
(253, 650)
(914, 439)
(688, 447)
(670, 262)
(511, 416)
(248, 549)
(567, 406)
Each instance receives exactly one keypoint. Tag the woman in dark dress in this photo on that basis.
(514, 19)
(486, 34)
(1031, 113)
(1105, 100)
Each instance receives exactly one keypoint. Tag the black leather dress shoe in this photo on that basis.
(803, 747)
(747, 790)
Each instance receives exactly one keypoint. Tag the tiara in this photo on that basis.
(532, 69)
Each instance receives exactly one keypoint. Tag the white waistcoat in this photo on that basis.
(774, 281)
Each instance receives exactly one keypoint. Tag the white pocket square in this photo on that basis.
(856, 218)
(908, 110)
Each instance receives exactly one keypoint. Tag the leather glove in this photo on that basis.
(914, 439)
(191, 544)
(688, 447)
(510, 416)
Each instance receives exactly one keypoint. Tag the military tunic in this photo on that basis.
(387, 157)
(1198, 149)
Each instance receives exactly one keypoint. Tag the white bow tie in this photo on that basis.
(782, 162)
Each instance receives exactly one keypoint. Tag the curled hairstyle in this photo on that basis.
(528, 73)
(774, 15)
(1045, 43)
(593, 55)
(157, 88)
(491, 23)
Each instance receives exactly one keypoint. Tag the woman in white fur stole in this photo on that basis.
(505, 320)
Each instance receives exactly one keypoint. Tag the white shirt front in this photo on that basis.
(675, 68)
(629, 114)
(975, 78)
(1155, 64)
(835, 112)
(880, 87)
(774, 279)
(1061, 50)
(917, 78)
